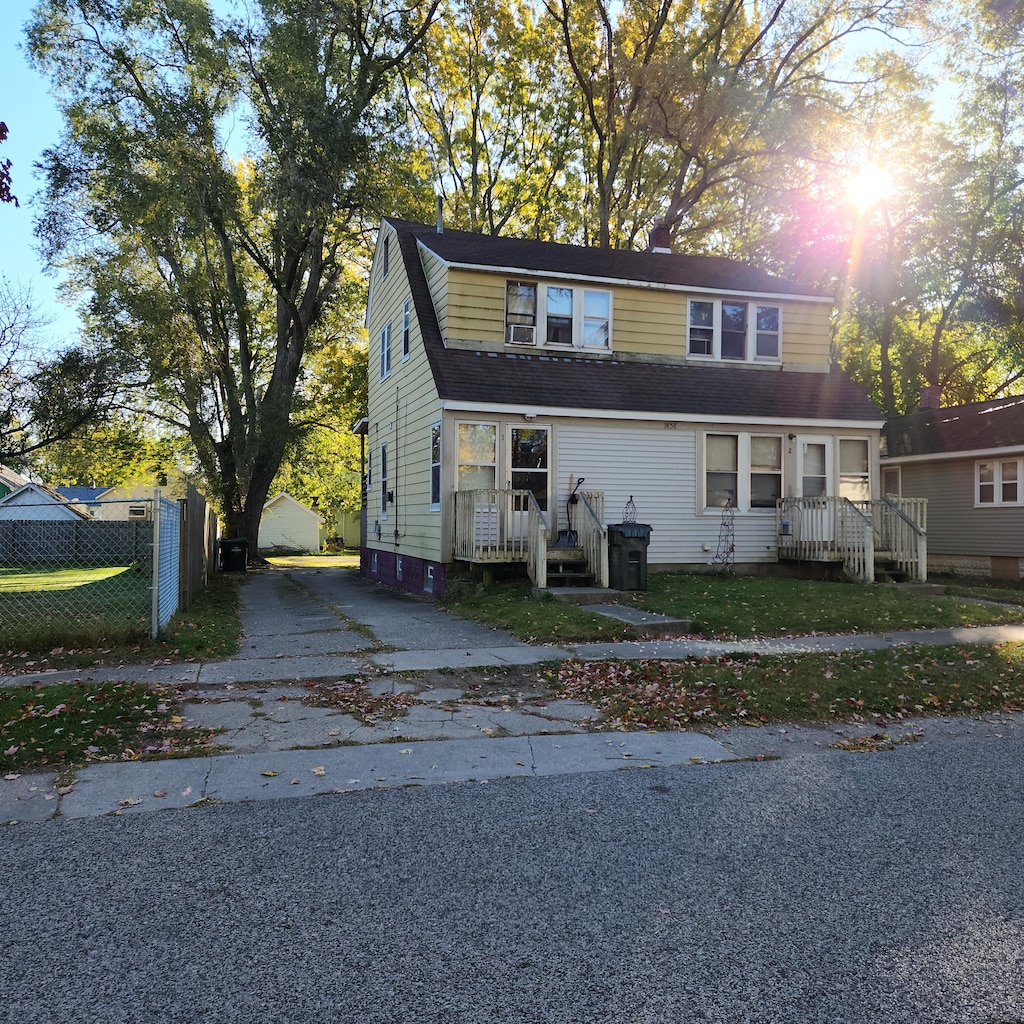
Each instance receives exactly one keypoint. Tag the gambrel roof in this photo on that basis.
(570, 382)
(977, 427)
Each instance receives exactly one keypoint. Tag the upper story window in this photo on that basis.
(385, 257)
(739, 331)
(998, 482)
(558, 316)
(406, 328)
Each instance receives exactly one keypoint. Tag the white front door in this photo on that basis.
(529, 470)
(815, 473)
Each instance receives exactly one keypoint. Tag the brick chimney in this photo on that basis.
(931, 398)
(659, 239)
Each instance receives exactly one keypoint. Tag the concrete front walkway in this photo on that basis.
(311, 623)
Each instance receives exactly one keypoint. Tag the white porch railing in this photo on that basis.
(492, 525)
(833, 529)
(592, 534)
(537, 533)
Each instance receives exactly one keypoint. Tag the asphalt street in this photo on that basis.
(828, 887)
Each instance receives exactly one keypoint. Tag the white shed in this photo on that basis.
(288, 525)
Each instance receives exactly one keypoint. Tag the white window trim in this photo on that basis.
(497, 448)
(743, 470)
(750, 346)
(435, 506)
(997, 484)
(579, 291)
(406, 329)
(385, 351)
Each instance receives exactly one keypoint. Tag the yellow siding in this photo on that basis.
(645, 321)
(400, 411)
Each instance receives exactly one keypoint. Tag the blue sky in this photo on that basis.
(34, 124)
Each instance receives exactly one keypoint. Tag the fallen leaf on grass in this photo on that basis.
(319, 771)
(269, 775)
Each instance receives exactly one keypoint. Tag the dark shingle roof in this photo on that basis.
(980, 426)
(629, 387)
(711, 391)
(464, 247)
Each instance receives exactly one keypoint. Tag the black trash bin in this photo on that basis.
(627, 555)
(233, 554)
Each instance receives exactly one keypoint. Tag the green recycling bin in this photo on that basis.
(627, 555)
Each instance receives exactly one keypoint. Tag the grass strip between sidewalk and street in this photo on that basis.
(71, 724)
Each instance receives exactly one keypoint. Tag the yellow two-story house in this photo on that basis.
(526, 395)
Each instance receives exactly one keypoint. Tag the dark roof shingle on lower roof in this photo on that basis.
(612, 385)
(978, 426)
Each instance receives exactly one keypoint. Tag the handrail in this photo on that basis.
(594, 538)
(537, 541)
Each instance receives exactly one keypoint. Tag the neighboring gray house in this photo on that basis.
(968, 461)
(38, 502)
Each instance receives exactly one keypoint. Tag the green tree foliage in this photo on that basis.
(497, 123)
(208, 192)
(692, 105)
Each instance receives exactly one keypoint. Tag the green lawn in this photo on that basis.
(724, 606)
(42, 606)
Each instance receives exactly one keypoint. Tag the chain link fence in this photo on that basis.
(86, 575)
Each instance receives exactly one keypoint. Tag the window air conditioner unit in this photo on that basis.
(522, 334)
(138, 511)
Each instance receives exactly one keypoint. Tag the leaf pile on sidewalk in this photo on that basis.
(864, 686)
(75, 723)
(354, 698)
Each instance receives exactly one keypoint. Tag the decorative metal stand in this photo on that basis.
(725, 556)
(629, 512)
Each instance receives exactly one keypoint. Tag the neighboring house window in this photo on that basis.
(383, 474)
(477, 446)
(738, 331)
(742, 471)
(557, 315)
(406, 327)
(892, 483)
(435, 466)
(385, 351)
(854, 469)
(998, 482)
(385, 257)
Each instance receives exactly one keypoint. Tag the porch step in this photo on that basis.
(563, 578)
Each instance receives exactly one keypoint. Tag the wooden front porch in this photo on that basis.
(867, 537)
(501, 526)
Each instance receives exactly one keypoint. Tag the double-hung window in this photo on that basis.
(998, 482)
(742, 471)
(385, 351)
(735, 331)
(558, 316)
(406, 328)
(383, 474)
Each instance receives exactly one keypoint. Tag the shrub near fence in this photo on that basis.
(89, 578)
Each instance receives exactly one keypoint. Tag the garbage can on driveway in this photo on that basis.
(627, 555)
(233, 554)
